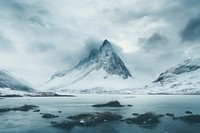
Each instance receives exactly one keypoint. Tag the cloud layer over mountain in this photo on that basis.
(39, 37)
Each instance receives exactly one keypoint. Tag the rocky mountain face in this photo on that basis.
(10, 82)
(96, 71)
(105, 58)
(181, 79)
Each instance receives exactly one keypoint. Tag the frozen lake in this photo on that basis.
(32, 122)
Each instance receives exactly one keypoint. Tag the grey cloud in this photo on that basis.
(41, 47)
(124, 15)
(37, 21)
(190, 3)
(91, 44)
(20, 11)
(16, 6)
(56, 30)
(156, 38)
(191, 32)
(22, 6)
(155, 42)
(5, 44)
(73, 57)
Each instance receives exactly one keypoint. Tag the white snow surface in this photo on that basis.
(8, 91)
(7, 80)
(101, 72)
(182, 79)
(92, 81)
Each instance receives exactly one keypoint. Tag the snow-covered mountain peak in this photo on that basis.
(181, 79)
(104, 58)
(192, 61)
(187, 66)
(8, 81)
(100, 69)
(106, 46)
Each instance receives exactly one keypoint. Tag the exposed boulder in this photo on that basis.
(37, 110)
(188, 112)
(48, 116)
(22, 108)
(194, 119)
(169, 114)
(135, 114)
(88, 120)
(109, 104)
(143, 119)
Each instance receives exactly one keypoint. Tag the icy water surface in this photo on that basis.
(32, 122)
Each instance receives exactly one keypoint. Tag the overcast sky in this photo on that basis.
(40, 37)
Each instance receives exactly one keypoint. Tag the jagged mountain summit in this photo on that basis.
(104, 58)
(9, 82)
(181, 79)
(102, 69)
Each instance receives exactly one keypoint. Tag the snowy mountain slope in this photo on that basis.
(182, 79)
(9, 82)
(100, 71)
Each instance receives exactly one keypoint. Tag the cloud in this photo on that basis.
(41, 47)
(55, 35)
(154, 42)
(22, 12)
(124, 15)
(15, 6)
(72, 58)
(191, 32)
(6, 45)
(37, 21)
(91, 44)
(191, 3)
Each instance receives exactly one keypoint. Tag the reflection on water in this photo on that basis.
(32, 122)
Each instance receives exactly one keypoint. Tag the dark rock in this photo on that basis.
(89, 120)
(188, 112)
(12, 95)
(161, 115)
(26, 108)
(129, 105)
(66, 124)
(54, 122)
(169, 115)
(109, 104)
(59, 111)
(22, 108)
(147, 118)
(107, 116)
(5, 110)
(80, 116)
(185, 68)
(194, 119)
(174, 118)
(135, 114)
(37, 110)
(48, 116)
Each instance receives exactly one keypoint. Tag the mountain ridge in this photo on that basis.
(99, 56)
(102, 68)
(10, 82)
(181, 79)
